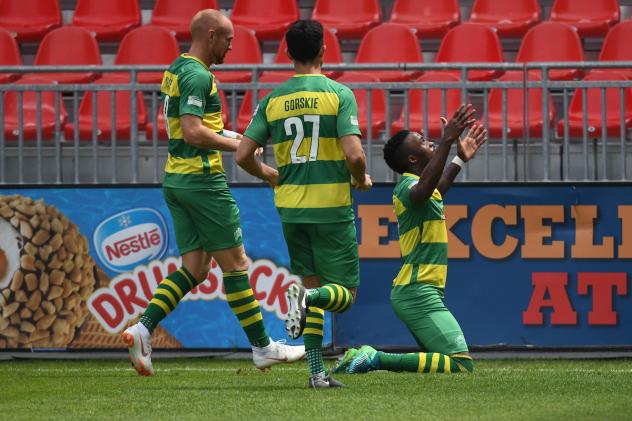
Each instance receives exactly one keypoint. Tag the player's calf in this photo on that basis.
(331, 297)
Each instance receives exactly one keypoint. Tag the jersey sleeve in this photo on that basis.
(195, 88)
(347, 122)
(258, 129)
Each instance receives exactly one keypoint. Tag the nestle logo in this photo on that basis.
(130, 238)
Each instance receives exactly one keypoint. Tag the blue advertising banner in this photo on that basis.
(530, 265)
(77, 265)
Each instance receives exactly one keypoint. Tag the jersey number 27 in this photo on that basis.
(297, 124)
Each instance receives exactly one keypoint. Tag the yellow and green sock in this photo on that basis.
(425, 362)
(167, 296)
(331, 297)
(313, 339)
(245, 306)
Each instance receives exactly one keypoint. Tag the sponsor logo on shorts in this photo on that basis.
(459, 340)
(354, 120)
(195, 101)
(130, 238)
(238, 234)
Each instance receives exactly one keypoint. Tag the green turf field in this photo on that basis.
(233, 389)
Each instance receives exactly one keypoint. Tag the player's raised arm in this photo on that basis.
(466, 149)
(431, 173)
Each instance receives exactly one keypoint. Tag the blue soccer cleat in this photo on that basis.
(344, 361)
(365, 360)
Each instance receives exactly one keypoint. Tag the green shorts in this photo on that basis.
(326, 250)
(205, 218)
(421, 308)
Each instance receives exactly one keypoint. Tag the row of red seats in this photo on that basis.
(466, 43)
(110, 20)
(386, 43)
(436, 107)
(144, 45)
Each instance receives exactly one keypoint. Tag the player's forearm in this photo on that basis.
(431, 174)
(354, 156)
(447, 178)
(205, 138)
(357, 167)
(256, 168)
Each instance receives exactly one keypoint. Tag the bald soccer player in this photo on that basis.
(205, 215)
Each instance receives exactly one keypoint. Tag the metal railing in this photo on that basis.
(34, 152)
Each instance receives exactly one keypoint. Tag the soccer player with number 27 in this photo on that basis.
(313, 124)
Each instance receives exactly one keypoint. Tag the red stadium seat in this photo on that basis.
(537, 46)
(510, 18)
(123, 121)
(148, 45)
(431, 18)
(472, 43)
(109, 20)
(9, 56)
(349, 18)
(269, 19)
(390, 43)
(245, 110)
(378, 103)
(618, 46)
(436, 108)
(175, 15)
(594, 120)
(29, 112)
(332, 55)
(162, 129)
(29, 20)
(54, 51)
(592, 18)
(515, 109)
(245, 50)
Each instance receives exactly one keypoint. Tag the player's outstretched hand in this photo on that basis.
(468, 146)
(366, 186)
(462, 118)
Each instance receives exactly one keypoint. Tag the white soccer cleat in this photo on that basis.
(297, 313)
(138, 340)
(276, 353)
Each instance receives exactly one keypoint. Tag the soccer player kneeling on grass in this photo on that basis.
(418, 290)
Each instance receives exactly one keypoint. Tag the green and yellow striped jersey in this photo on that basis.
(305, 118)
(423, 237)
(188, 87)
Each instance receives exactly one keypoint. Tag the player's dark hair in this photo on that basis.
(304, 40)
(394, 154)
